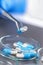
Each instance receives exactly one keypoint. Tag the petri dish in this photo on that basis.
(5, 62)
(41, 54)
(9, 40)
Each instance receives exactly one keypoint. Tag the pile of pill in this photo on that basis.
(21, 50)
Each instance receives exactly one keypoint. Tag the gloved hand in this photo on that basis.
(16, 6)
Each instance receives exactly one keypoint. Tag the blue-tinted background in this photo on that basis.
(14, 6)
(0, 6)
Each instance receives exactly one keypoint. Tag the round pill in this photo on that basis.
(23, 29)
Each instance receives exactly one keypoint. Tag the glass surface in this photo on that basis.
(9, 40)
(5, 63)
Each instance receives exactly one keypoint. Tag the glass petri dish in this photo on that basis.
(41, 54)
(5, 63)
(9, 40)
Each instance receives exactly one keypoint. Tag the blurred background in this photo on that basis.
(28, 11)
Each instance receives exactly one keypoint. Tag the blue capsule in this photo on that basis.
(28, 47)
(6, 51)
(29, 55)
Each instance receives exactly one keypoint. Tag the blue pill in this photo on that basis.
(6, 51)
(30, 46)
(29, 55)
(19, 43)
(19, 31)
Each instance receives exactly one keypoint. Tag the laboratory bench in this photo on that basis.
(7, 27)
